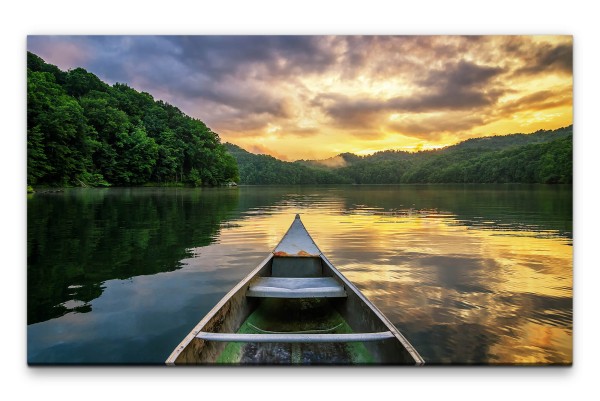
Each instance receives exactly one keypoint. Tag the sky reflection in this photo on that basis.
(461, 291)
(494, 295)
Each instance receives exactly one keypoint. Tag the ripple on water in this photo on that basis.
(468, 274)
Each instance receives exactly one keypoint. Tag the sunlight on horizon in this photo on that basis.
(314, 97)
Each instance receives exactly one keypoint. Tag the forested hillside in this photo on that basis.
(541, 157)
(499, 142)
(82, 131)
(265, 169)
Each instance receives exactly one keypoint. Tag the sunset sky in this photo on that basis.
(313, 97)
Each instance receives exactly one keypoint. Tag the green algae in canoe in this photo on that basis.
(303, 316)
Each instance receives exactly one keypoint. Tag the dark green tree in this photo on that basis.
(60, 148)
(81, 130)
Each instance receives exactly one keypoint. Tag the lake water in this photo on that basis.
(476, 274)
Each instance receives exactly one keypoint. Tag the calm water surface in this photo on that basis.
(469, 274)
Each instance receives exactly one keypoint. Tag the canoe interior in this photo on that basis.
(295, 315)
(237, 313)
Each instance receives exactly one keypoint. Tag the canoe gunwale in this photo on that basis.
(198, 328)
(351, 287)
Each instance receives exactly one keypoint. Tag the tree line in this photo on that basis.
(82, 131)
(541, 157)
(267, 170)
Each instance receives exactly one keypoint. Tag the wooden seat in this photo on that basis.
(294, 338)
(292, 287)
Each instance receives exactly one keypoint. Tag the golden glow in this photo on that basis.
(448, 274)
(272, 129)
(388, 98)
(315, 97)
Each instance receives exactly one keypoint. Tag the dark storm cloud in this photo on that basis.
(542, 100)
(461, 75)
(559, 58)
(343, 86)
(542, 58)
(206, 68)
(434, 128)
(221, 56)
(236, 70)
(460, 86)
(255, 101)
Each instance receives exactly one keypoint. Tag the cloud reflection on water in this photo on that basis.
(460, 293)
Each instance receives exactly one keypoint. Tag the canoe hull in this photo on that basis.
(287, 315)
(226, 317)
(231, 312)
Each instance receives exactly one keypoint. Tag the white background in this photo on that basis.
(294, 17)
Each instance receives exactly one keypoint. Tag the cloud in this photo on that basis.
(435, 127)
(537, 101)
(461, 76)
(64, 53)
(232, 75)
(341, 89)
(547, 58)
(302, 132)
(456, 87)
(262, 57)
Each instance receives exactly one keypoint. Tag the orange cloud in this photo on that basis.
(332, 94)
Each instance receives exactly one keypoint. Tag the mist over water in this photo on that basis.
(470, 274)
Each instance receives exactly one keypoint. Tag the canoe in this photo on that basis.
(295, 307)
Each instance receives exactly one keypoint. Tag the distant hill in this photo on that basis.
(499, 142)
(540, 157)
(496, 142)
(267, 170)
